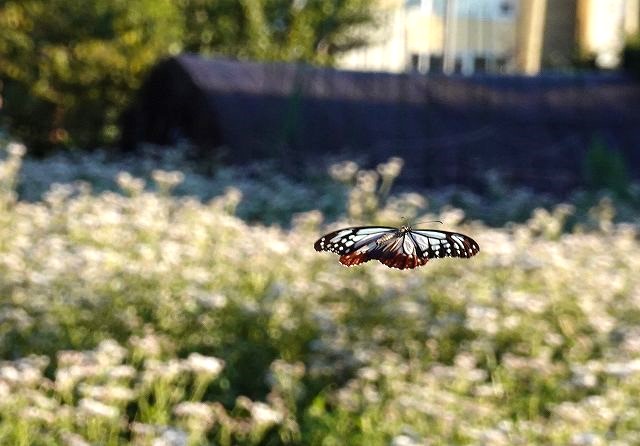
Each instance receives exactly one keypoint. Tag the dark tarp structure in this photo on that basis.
(534, 131)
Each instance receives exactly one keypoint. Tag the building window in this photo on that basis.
(478, 9)
(415, 62)
(436, 63)
(480, 64)
(457, 65)
(501, 64)
(507, 8)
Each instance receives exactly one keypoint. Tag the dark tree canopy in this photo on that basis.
(69, 68)
(287, 30)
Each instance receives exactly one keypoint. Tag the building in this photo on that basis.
(603, 26)
(498, 36)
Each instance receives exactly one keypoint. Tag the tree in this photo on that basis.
(312, 31)
(70, 67)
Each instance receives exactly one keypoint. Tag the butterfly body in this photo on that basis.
(400, 248)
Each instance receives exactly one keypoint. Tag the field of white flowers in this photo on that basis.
(147, 317)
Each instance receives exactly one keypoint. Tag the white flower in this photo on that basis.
(143, 432)
(149, 345)
(198, 412)
(587, 439)
(128, 183)
(583, 376)
(71, 439)
(167, 180)
(109, 393)
(16, 149)
(391, 168)
(263, 414)
(109, 352)
(10, 374)
(211, 300)
(405, 440)
(68, 358)
(25, 371)
(494, 437)
(121, 372)
(171, 437)
(5, 390)
(343, 172)
(169, 370)
(67, 378)
(97, 409)
(368, 374)
(623, 369)
(37, 414)
(205, 365)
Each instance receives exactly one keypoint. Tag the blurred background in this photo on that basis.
(166, 166)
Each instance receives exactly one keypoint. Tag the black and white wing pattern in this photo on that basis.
(395, 247)
(351, 244)
(436, 244)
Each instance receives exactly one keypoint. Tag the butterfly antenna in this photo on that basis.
(429, 221)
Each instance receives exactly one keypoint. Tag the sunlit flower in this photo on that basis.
(200, 415)
(95, 408)
(149, 345)
(109, 352)
(587, 439)
(113, 394)
(143, 433)
(623, 369)
(391, 168)
(211, 300)
(367, 181)
(264, 414)
(205, 365)
(25, 372)
(545, 315)
(16, 149)
(492, 437)
(405, 440)
(167, 180)
(165, 370)
(343, 172)
(72, 439)
(37, 414)
(583, 377)
(368, 374)
(5, 390)
(121, 372)
(130, 184)
(171, 437)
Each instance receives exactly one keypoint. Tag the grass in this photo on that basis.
(147, 316)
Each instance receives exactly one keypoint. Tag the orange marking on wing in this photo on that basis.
(355, 258)
(404, 262)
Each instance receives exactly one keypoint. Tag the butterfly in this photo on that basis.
(400, 248)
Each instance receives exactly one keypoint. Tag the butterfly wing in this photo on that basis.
(402, 249)
(353, 244)
(437, 244)
(399, 251)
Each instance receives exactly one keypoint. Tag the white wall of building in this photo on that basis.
(607, 23)
(456, 31)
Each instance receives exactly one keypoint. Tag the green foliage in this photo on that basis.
(69, 68)
(605, 168)
(144, 318)
(285, 30)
